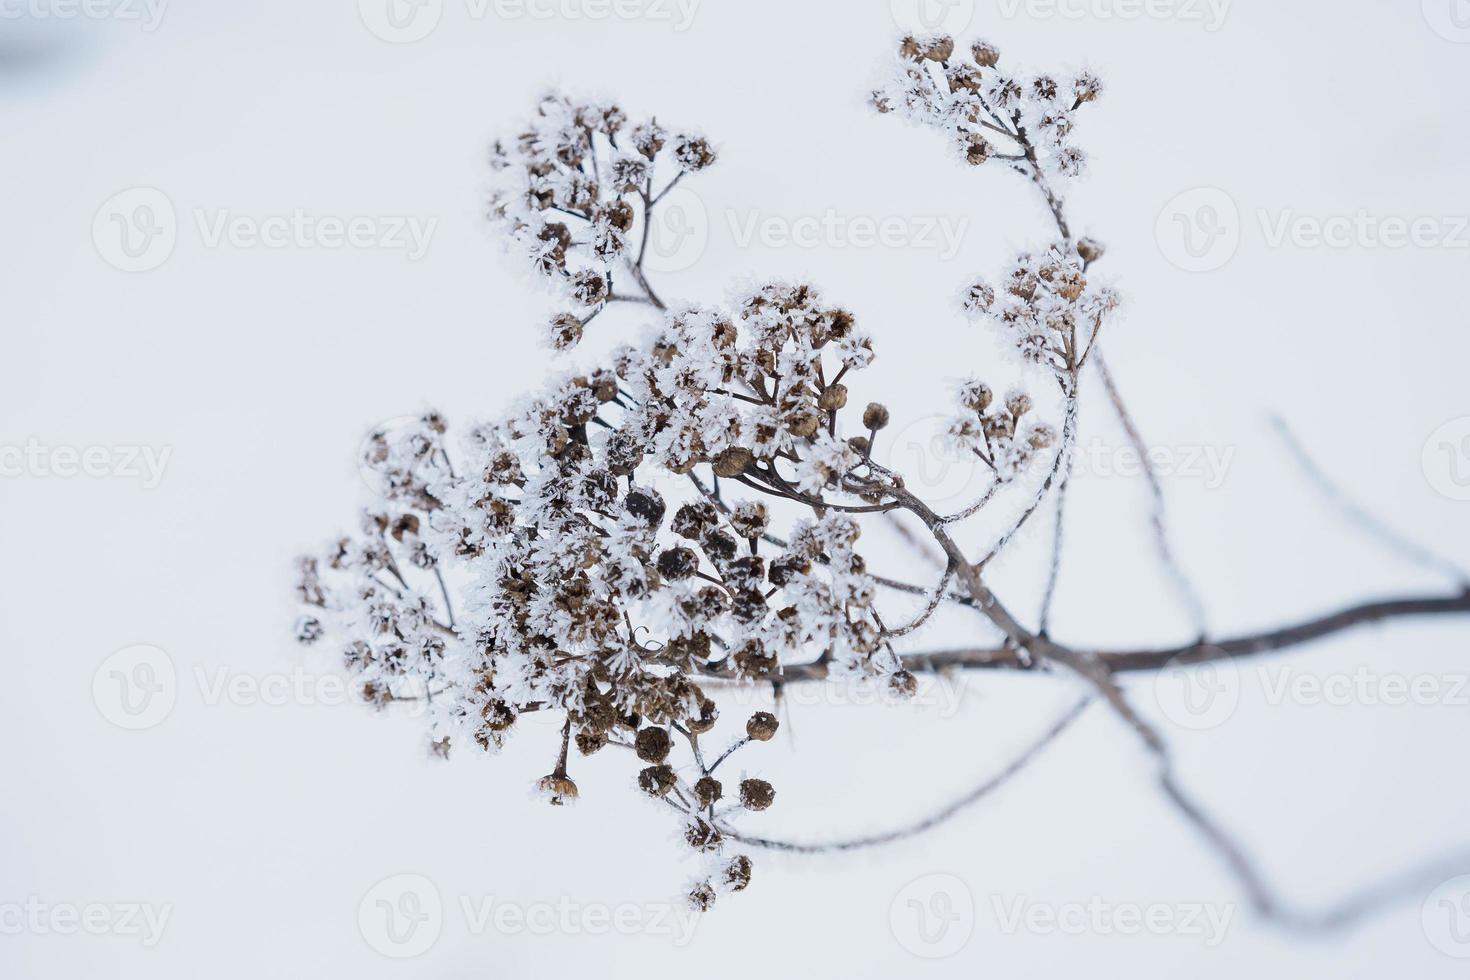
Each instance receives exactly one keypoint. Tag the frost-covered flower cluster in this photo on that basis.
(574, 184)
(1047, 306)
(998, 433)
(988, 112)
(598, 575)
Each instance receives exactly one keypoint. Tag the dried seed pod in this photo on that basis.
(1090, 249)
(875, 416)
(707, 791)
(702, 897)
(646, 505)
(653, 744)
(756, 794)
(733, 461)
(762, 726)
(737, 873)
(657, 780)
(702, 835)
(985, 54)
(591, 740)
(709, 713)
(678, 563)
(833, 398)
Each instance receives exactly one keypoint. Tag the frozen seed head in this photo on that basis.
(646, 505)
(564, 331)
(678, 563)
(702, 897)
(833, 398)
(750, 518)
(1041, 436)
(557, 788)
(657, 780)
(737, 873)
(590, 741)
(652, 744)
(709, 713)
(1018, 403)
(976, 396)
(985, 54)
(903, 684)
(875, 417)
(756, 794)
(701, 835)
(733, 462)
(707, 791)
(762, 726)
(1090, 249)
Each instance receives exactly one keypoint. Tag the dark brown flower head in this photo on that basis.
(756, 794)
(653, 744)
(707, 791)
(657, 780)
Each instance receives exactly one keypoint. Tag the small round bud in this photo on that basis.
(802, 424)
(652, 744)
(646, 505)
(756, 794)
(733, 461)
(875, 417)
(976, 396)
(833, 398)
(1018, 403)
(985, 54)
(1090, 249)
(939, 48)
(762, 726)
(859, 445)
(1041, 436)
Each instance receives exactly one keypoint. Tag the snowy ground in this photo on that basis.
(260, 818)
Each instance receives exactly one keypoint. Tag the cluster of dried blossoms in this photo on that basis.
(601, 569)
(989, 113)
(577, 181)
